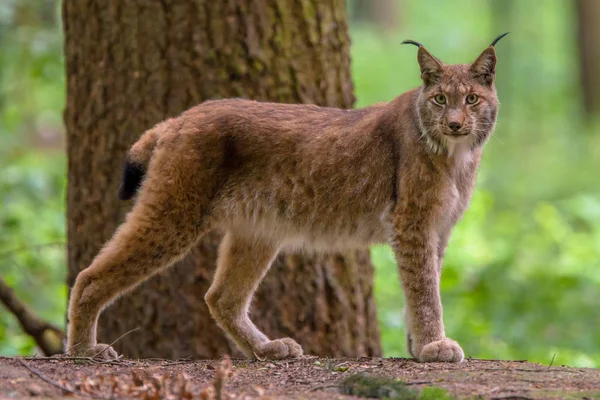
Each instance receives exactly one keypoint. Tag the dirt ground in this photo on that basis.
(305, 378)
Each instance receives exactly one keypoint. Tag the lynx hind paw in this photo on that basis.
(101, 352)
(278, 349)
(445, 350)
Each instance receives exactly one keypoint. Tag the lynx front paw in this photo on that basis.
(99, 351)
(278, 349)
(445, 350)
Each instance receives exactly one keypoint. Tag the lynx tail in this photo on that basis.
(136, 163)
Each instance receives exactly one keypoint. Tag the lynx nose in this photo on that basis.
(455, 126)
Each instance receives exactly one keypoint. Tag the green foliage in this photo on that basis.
(435, 393)
(32, 242)
(32, 180)
(521, 277)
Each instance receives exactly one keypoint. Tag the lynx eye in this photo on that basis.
(440, 99)
(472, 99)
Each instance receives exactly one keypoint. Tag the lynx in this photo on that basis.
(276, 177)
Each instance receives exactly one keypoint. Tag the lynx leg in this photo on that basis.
(419, 266)
(241, 266)
(149, 240)
(443, 243)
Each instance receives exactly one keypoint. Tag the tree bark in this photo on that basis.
(131, 64)
(588, 15)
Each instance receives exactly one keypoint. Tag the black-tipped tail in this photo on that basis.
(133, 173)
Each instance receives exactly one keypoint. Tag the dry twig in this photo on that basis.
(552, 362)
(56, 384)
(115, 341)
(91, 360)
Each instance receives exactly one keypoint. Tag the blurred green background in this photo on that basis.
(522, 272)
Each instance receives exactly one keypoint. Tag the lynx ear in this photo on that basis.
(484, 68)
(431, 67)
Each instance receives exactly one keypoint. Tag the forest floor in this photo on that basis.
(304, 378)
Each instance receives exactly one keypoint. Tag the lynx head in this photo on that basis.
(457, 104)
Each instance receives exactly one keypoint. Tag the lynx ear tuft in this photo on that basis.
(498, 38)
(431, 67)
(408, 41)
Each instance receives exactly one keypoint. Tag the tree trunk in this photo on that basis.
(131, 64)
(588, 15)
